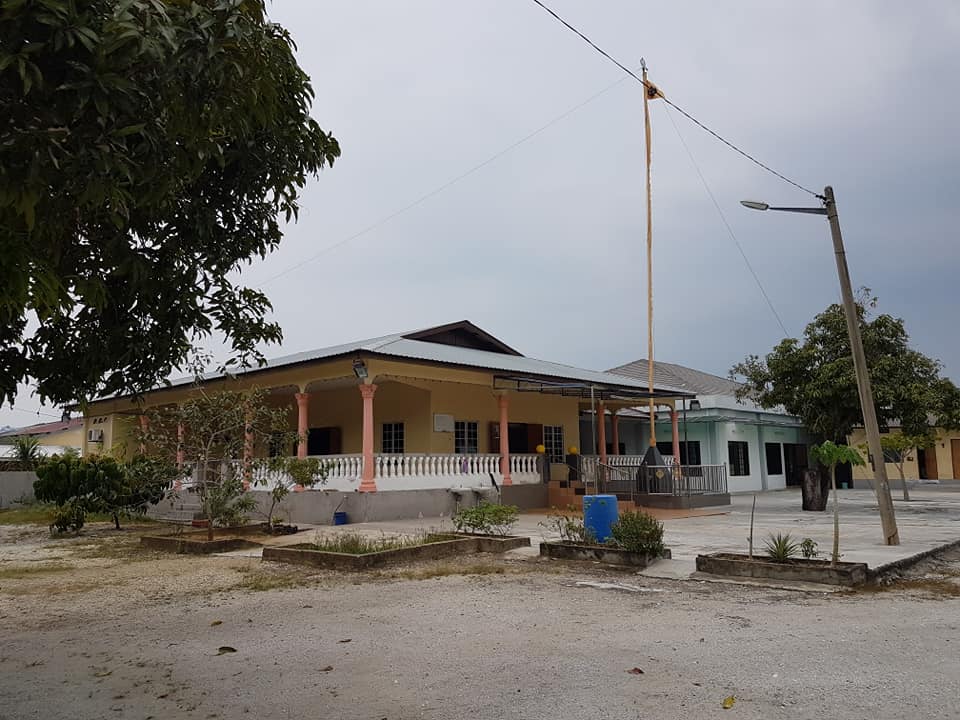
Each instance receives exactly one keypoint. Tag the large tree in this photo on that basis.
(148, 149)
(813, 377)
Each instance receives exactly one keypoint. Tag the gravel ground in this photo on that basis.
(96, 628)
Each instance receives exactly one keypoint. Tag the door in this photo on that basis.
(794, 463)
(927, 463)
(517, 438)
(955, 451)
(324, 441)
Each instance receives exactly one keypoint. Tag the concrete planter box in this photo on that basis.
(496, 543)
(814, 571)
(195, 544)
(603, 553)
(304, 555)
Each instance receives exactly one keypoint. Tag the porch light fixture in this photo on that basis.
(360, 369)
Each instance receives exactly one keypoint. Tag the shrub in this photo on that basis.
(781, 547)
(639, 533)
(808, 548)
(486, 519)
(569, 526)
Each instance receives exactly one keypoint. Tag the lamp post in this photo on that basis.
(889, 522)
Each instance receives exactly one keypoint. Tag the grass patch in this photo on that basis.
(264, 580)
(27, 515)
(353, 543)
(42, 514)
(448, 569)
(30, 571)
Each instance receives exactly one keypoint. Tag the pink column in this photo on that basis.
(602, 432)
(178, 484)
(615, 426)
(303, 422)
(367, 483)
(504, 402)
(675, 424)
(247, 450)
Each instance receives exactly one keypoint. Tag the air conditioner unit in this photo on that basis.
(95, 435)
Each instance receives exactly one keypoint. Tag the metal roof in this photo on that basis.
(679, 376)
(401, 346)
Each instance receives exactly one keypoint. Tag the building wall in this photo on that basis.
(713, 432)
(117, 434)
(911, 469)
(72, 437)
(410, 393)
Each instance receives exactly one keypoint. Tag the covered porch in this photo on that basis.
(386, 427)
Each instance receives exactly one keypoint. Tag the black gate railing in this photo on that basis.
(627, 482)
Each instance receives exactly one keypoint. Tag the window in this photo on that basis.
(689, 451)
(738, 452)
(465, 437)
(393, 437)
(774, 459)
(553, 443)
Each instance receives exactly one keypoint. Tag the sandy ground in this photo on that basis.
(95, 628)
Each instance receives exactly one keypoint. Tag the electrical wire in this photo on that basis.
(436, 191)
(32, 412)
(676, 107)
(726, 224)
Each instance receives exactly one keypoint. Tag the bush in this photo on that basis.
(569, 526)
(639, 533)
(809, 548)
(486, 519)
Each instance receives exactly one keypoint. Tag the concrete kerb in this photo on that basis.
(879, 572)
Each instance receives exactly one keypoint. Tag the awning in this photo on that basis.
(584, 390)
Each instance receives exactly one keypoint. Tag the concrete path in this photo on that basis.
(930, 520)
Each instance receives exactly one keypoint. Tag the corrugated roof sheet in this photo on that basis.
(678, 376)
(400, 346)
(43, 428)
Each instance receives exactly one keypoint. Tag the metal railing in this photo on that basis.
(629, 481)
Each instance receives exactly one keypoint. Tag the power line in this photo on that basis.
(726, 224)
(691, 118)
(436, 191)
(32, 412)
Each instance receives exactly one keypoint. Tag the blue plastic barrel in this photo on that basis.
(340, 518)
(599, 513)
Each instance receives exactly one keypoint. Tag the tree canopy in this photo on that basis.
(148, 150)
(813, 377)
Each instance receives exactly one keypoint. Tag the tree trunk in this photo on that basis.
(116, 520)
(903, 479)
(814, 497)
(836, 516)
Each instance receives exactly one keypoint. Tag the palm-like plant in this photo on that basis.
(26, 450)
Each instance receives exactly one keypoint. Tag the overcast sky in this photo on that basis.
(544, 246)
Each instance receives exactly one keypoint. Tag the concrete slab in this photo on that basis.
(930, 520)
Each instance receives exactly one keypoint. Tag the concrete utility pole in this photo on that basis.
(891, 535)
(882, 485)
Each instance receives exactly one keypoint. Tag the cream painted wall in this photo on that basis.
(117, 434)
(408, 392)
(65, 438)
(911, 470)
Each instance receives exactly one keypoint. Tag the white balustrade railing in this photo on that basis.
(405, 471)
(633, 460)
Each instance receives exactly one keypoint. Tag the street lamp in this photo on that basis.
(890, 534)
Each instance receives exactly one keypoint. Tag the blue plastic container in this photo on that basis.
(340, 518)
(599, 514)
